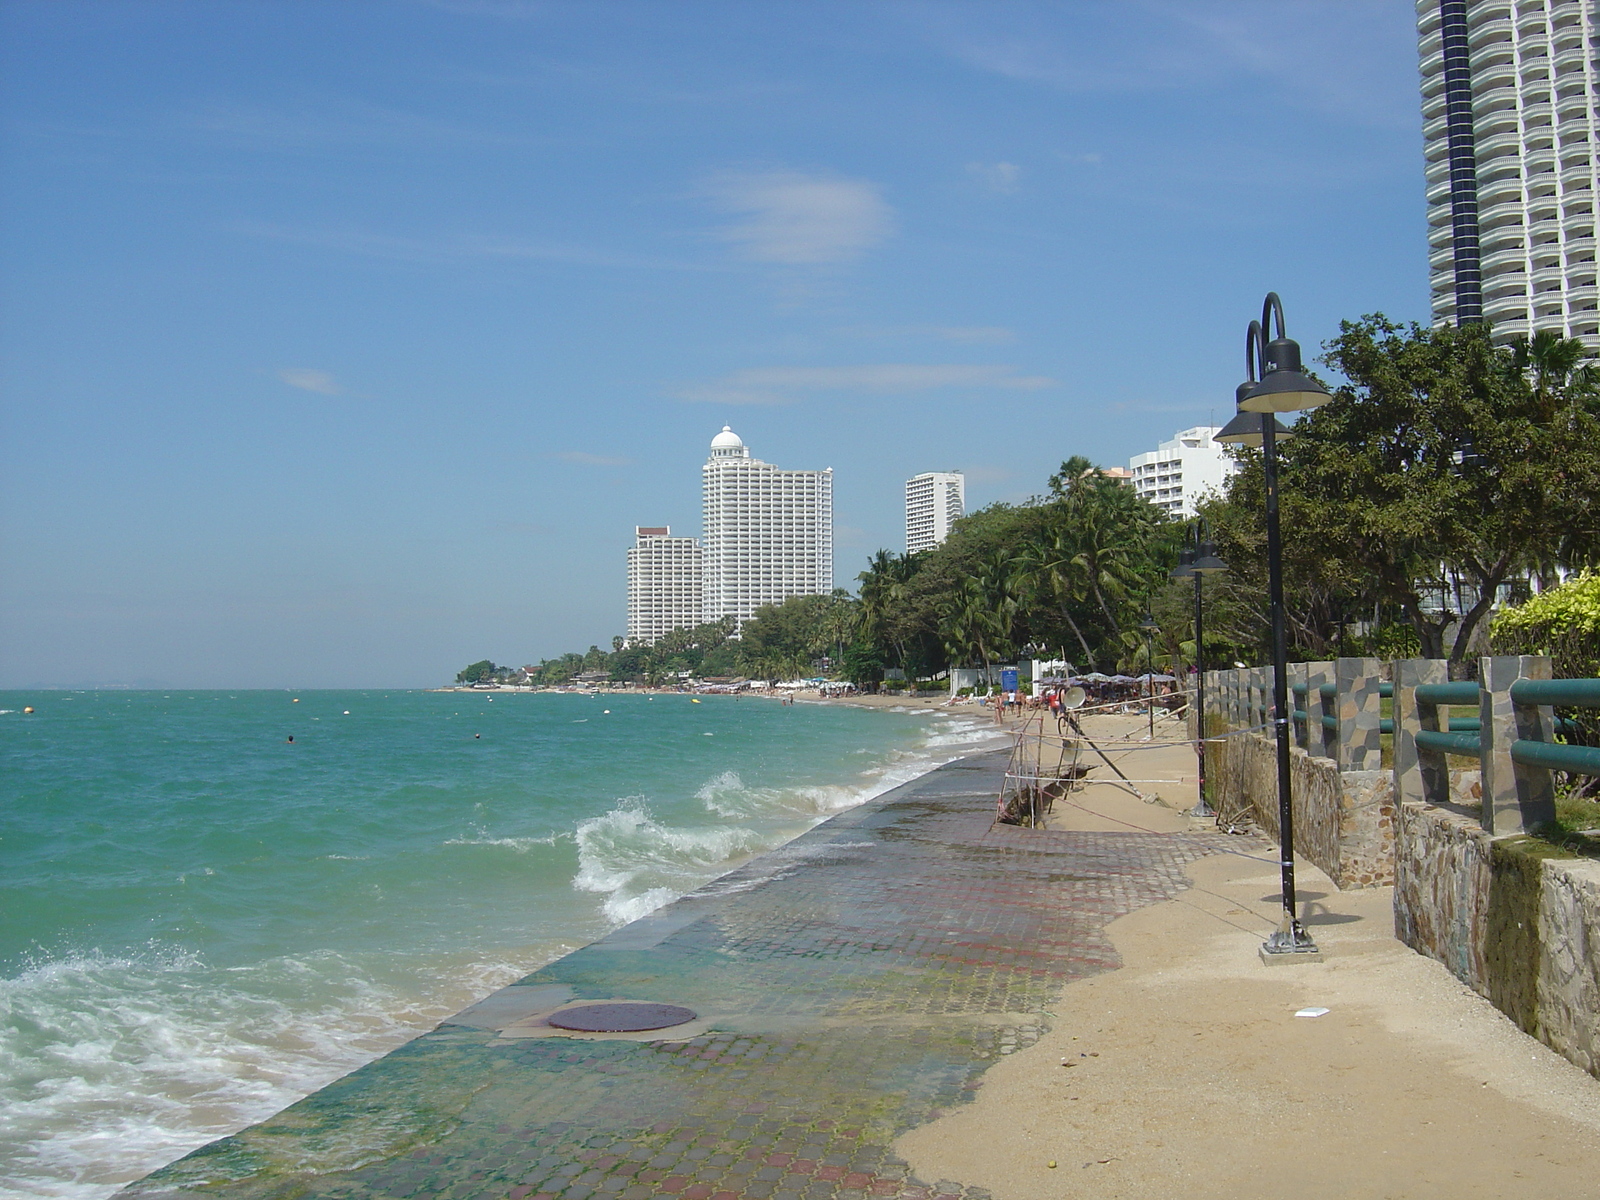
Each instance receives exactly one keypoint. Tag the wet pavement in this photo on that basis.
(848, 987)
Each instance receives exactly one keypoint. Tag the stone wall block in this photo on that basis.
(1418, 776)
(1360, 713)
(1569, 993)
(1519, 928)
(1516, 798)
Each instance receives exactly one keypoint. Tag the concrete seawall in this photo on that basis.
(1510, 919)
(849, 986)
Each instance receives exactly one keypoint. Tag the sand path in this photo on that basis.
(1189, 1075)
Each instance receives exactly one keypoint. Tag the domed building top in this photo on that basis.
(727, 444)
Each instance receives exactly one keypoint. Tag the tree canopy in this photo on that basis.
(1444, 468)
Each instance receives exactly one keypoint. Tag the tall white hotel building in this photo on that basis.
(664, 584)
(767, 534)
(933, 503)
(1509, 121)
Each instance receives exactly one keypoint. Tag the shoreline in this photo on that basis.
(497, 1069)
(787, 797)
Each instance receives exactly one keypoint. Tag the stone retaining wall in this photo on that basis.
(1515, 923)
(1343, 821)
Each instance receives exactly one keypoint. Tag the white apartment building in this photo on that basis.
(1510, 131)
(664, 584)
(933, 502)
(766, 535)
(1175, 476)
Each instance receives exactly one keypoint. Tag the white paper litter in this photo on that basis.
(1313, 1012)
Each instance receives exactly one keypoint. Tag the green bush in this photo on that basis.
(1563, 623)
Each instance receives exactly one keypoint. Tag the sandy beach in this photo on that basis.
(1186, 1072)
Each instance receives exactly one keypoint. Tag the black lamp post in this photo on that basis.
(1149, 626)
(1196, 560)
(1276, 383)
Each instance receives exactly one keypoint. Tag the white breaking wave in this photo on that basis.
(112, 1065)
(640, 864)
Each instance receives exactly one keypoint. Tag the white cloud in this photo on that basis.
(448, 249)
(784, 385)
(310, 380)
(890, 377)
(724, 394)
(593, 460)
(1186, 45)
(793, 218)
(964, 334)
(988, 334)
(1003, 177)
(318, 121)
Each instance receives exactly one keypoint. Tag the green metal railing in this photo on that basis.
(1557, 756)
(1571, 693)
(1464, 735)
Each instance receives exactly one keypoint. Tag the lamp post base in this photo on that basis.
(1290, 944)
(1202, 810)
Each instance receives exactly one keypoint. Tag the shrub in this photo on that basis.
(1563, 623)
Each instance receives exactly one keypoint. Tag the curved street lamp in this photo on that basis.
(1196, 560)
(1149, 628)
(1275, 383)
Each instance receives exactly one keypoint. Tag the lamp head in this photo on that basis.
(1185, 567)
(1206, 561)
(1148, 625)
(1284, 386)
(1245, 428)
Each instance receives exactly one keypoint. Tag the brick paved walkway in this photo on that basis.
(850, 986)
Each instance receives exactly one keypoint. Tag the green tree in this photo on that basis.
(477, 672)
(1443, 467)
(784, 640)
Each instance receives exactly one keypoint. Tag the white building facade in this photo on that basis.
(767, 534)
(934, 501)
(1181, 472)
(664, 584)
(1510, 131)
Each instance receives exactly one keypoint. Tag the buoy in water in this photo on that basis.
(296, 700)
(347, 712)
(27, 708)
(605, 712)
(694, 702)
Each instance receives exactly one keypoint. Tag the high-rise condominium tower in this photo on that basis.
(663, 584)
(1508, 107)
(933, 502)
(1177, 473)
(767, 534)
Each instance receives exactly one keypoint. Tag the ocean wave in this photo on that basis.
(639, 863)
(519, 844)
(114, 1064)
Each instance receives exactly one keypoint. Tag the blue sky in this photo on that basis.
(344, 344)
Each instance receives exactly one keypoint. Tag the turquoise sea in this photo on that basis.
(201, 921)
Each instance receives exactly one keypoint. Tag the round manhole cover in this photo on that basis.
(623, 1017)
